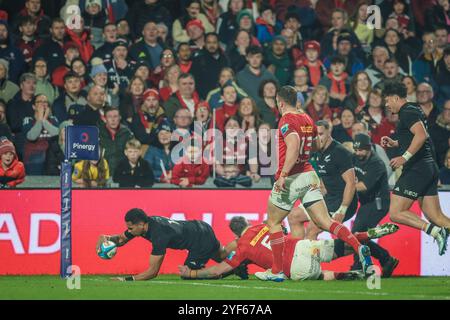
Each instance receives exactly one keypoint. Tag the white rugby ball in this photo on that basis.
(108, 250)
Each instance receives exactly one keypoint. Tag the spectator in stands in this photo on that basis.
(203, 119)
(245, 22)
(236, 51)
(345, 50)
(438, 14)
(43, 84)
(184, 55)
(227, 25)
(28, 42)
(163, 34)
(71, 52)
(294, 51)
(131, 99)
(375, 118)
(170, 82)
(185, 98)
(311, 61)
(325, 10)
(266, 152)
(91, 173)
(391, 73)
(93, 112)
(425, 95)
(231, 170)
(442, 79)
(254, 73)
(80, 36)
(192, 170)
(268, 109)
(360, 88)
(20, 107)
(183, 124)
(211, 9)
(267, 25)
(144, 11)
(95, 18)
(79, 67)
(167, 60)
(40, 131)
(119, 68)
(339, 21)
(12, 171)
(342, 132)
(301, 82)
(180, 28)
(337, 82)
(70, 103)
(158, 155)
(411, 87)
(425, 66)
(215, 97)
(142, 70)
(375, 69)
(444, 173)
(5, 131)
(33, 9)
(147, 118)
(292, 22)
(11, 53)
(440, 134)
(278, 60)
(442, 38)
(317, 105)
(104, 52)
(113, 137)
(8, 89)
(359, 25)
(229, 106)
(133, 171)
(196, 33)
(248, 115)
(397, 49)
(210, 58)
(148, 48)
(99, 77)
(52, 50)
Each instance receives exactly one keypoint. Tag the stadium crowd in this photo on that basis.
(145, 71)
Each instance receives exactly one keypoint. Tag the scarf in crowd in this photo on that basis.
(263, 22)
(195, 97)
(338, 86)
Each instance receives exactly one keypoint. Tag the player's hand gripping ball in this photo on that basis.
(108, 250)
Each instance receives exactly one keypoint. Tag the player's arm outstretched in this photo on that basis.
(214, 272)
(150, 273)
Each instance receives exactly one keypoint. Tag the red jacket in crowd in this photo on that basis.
(195, 173)
(83, 43)
(16, 170)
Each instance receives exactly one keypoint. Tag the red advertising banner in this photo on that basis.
(29, 228)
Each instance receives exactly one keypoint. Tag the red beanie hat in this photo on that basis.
(314, 45)
(6, 146)
(150, 93)
(195, 22)
(202, 104)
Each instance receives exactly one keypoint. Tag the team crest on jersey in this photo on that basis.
(284, 129)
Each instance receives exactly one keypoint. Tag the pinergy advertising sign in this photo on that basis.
(82, 142)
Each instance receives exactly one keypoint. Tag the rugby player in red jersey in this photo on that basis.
(296, 179)
(301, 260)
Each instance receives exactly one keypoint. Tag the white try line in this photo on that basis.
(233, 286)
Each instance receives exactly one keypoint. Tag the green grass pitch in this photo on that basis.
(171, 287)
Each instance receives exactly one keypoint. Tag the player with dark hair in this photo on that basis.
(195, 236)
(296, 179)
(301, 259)
(420, 174)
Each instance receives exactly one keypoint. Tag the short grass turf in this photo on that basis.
(171, 287)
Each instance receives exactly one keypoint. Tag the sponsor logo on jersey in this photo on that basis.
(306, 129)
(259, 236)
(284, 129)
(328, 158)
